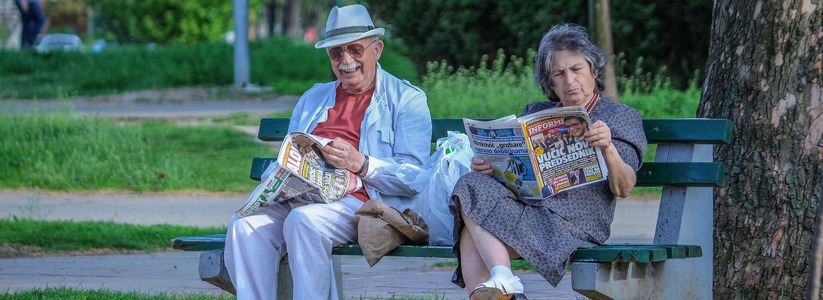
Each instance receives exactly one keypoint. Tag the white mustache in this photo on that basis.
(348, 67)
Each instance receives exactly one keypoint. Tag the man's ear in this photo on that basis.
(378, 49)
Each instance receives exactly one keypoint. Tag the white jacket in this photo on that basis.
(396, 130)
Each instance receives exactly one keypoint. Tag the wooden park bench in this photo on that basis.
(677, 265)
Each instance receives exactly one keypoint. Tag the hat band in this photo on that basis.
(347, 30)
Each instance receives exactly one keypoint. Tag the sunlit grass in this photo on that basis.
(61, 151)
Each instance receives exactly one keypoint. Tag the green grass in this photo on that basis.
(61, 236)
(60, 151)
(289, 66)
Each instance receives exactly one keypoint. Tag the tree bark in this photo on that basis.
(604, 37)
(764, 74)
(291, 24)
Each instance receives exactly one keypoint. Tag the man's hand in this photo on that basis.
(480, 165)
(341, 154)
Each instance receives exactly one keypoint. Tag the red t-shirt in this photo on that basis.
(344, 121)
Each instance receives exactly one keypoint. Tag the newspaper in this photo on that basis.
(538, 155)
(301, 174)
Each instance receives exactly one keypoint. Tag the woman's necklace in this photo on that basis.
(592, 102)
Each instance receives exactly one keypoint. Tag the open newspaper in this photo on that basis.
(301, 174)
(541, 154)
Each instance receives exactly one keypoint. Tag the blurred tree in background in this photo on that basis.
(651, 34)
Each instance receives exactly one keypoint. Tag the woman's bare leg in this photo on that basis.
(474, 270)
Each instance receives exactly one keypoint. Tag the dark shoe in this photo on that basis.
(487, 293)
(498, 290)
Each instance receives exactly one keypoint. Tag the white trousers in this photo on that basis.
(256, 243)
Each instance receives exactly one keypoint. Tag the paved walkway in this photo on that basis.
(176, 271)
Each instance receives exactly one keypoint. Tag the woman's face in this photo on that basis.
(572, 79)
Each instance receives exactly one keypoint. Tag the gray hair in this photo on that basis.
(572, 38)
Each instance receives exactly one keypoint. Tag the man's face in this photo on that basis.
(355, 63)
(576, 128)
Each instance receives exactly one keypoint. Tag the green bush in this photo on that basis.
(505, 85)
(289, 66)
(462, 31)
(166, 21)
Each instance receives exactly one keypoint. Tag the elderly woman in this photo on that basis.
(492, 225)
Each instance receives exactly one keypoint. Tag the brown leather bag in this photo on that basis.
(381, 228)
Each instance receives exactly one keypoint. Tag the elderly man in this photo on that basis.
(379, 123)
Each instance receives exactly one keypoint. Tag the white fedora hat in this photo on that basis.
(347, 24)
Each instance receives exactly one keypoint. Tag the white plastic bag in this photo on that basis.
(435, 182)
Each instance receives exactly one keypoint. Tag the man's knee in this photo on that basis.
(299, 220)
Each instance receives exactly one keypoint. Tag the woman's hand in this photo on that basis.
(480, 165)
(340, 154)
(621, 176)
(599, 135)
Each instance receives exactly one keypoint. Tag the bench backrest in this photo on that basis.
(658, 131)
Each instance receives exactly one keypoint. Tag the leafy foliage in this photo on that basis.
(673, 34)
(166, 21)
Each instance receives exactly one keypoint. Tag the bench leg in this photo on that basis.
(213, 270)
(338, 274)
(619, 280)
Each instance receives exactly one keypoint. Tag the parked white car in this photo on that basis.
(59, 41)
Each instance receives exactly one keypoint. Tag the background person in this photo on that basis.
(378, 122)
(32, 20)
(492, 225)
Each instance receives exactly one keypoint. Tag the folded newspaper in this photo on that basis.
(301, 174)
(538, 155)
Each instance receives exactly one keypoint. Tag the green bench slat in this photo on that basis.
(636, 253)
(688, 131)
(601, 254)
(405, 251)
(199, 243)
(658, 131)
(273, 129)
(650, 174)
(681, 174)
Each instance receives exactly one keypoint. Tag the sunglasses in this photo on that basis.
(355, 51)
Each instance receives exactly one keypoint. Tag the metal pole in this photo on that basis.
(241, 43)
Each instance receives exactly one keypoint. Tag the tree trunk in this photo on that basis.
(764, 74)
(292, 20)
(271, 16)
(604, 38)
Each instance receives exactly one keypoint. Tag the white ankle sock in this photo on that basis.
(501, 273)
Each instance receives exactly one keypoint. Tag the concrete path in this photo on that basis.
(176, 271)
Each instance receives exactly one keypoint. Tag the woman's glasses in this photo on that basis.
(355, 50)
